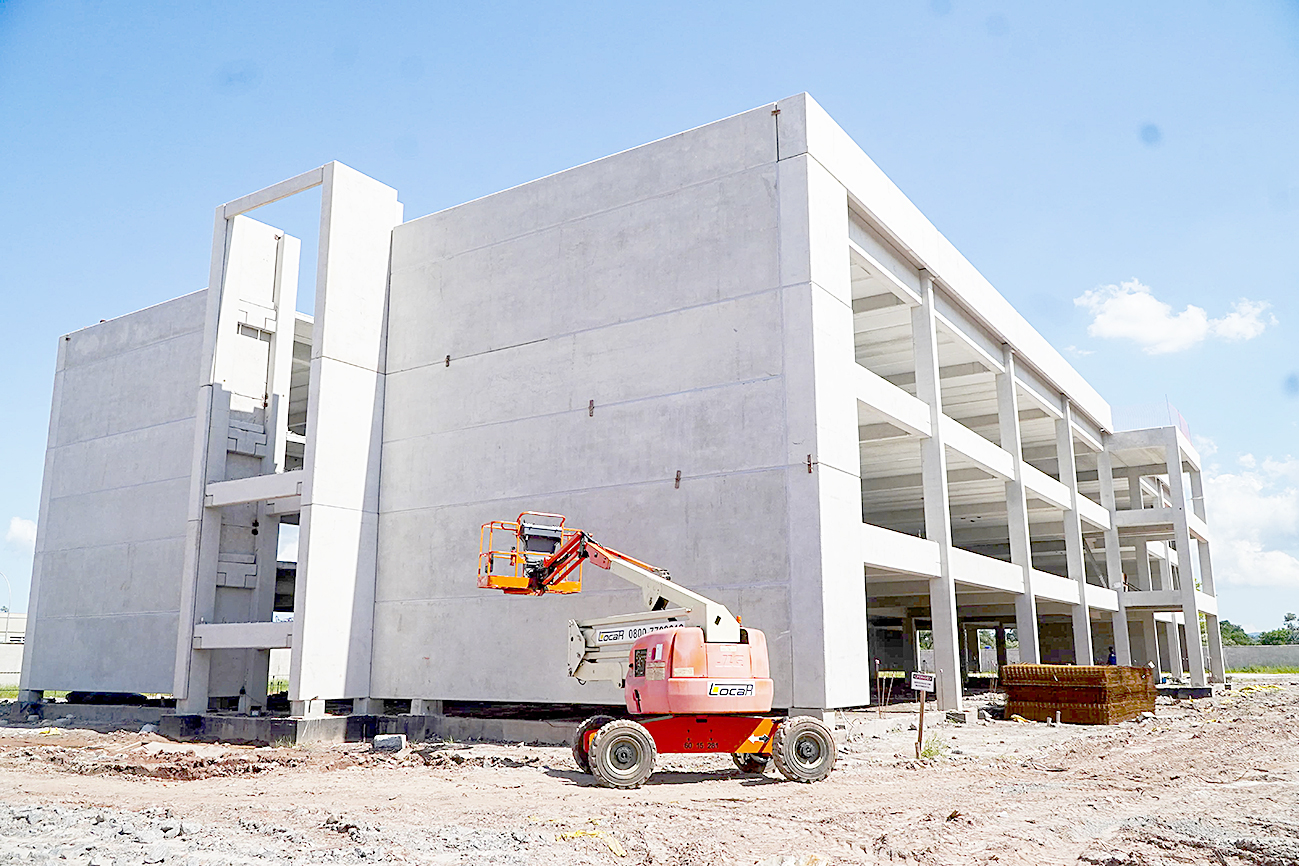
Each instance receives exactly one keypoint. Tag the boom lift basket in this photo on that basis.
(507, 551)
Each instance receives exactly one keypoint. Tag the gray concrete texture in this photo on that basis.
(1238, 657)
(110, 545)
(648, 283)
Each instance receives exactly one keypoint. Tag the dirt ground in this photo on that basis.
(1213, 781)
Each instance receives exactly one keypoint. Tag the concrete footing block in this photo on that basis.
(389, 742)
(961, 717)
(277, 730)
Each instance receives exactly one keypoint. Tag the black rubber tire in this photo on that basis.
(804, 749)
(751, 763)
(622, 754)
(580, 757)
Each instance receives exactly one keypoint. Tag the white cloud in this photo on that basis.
(21, 534)
(1129, 311)
(1254, 515)
(1244, 322)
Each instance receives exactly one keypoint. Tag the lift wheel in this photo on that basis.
(621, 753)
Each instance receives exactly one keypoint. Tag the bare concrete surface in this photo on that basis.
(1212, 781)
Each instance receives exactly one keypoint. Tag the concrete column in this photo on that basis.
(425, 707)
(1017, 510)
(963, 640)
(1122, 639)
(367, 706)
(1206, 567)
(334, 593)
(1134, 491)
(1082, 622)
(1144, 579)
(202, 547)
(829, 651)
(1181, 528)
(909, 656)
(313, 708)
(938, 525)
(1172, 643)
(1166, 570)
(1217, 669)
(1114, 556)
(1150, 638)
(1002, 660)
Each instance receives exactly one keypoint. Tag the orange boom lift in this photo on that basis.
(696, 681)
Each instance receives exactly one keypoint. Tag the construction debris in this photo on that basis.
(1125, 794)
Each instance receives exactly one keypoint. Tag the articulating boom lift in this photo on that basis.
(685, 664)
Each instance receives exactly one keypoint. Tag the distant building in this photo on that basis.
(13, 629)
(739, 353)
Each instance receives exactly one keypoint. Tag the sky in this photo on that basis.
(1125, 174)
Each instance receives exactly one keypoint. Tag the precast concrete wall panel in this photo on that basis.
(105, 580)
(647, 285)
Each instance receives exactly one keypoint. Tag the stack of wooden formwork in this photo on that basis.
(1081, 694)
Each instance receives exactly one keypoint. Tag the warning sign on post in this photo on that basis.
(922, 682)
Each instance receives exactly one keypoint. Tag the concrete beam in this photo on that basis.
(274, 192)
(1089, 512)
(243, 635)
(884, 548)
(971, 445)
(898, 407)
(258, 488)
(951, 371)
(899, 288)
(1053, 587)
(1162, 600)
(1046, 487)
(983, 571)
(1100, 598)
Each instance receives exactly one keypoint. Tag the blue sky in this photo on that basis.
(1101, 164)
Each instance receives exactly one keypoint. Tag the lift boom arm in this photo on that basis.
(598, 648)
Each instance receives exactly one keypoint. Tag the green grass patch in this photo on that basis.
(934, 747)
(1265, 669)
(276, 685)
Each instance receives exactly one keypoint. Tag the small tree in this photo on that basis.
(1234, 635)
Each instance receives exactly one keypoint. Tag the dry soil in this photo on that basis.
(1213, 781)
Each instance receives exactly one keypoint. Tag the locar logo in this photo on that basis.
(730, 690)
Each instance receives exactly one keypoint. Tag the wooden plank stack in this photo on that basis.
(1081, 694)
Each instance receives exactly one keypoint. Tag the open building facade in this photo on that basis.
(739, 353)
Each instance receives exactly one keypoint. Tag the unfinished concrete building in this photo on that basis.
(739, 353)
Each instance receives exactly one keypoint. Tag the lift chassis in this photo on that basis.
(693, 678)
